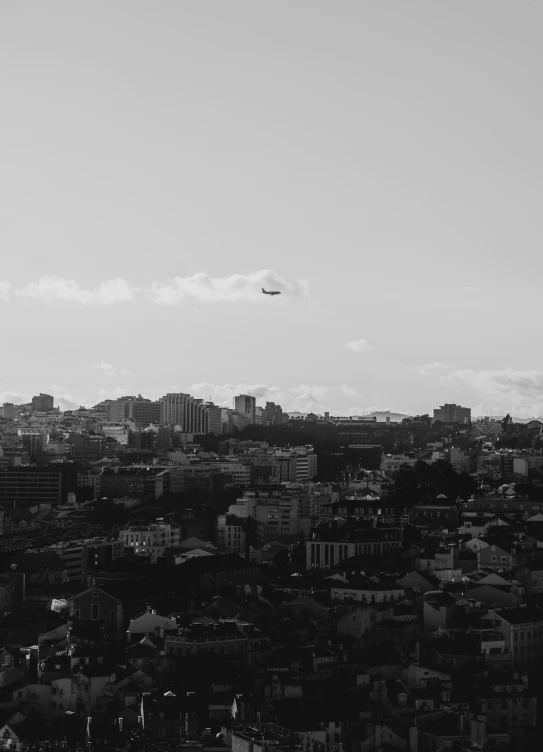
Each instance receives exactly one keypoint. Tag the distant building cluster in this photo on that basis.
(167, 581)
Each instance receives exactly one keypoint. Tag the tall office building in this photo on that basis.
(215, 424)
(451, 413)
(245, 405)
(185, 411)
(118, 409)
(142, 410)
(9, 410)
(43, 402)
(273, 414)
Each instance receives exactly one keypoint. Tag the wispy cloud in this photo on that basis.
(202, 287)
(360, 346)
(432, 367)
(223, 394)
(52, 288)
(109, 370)
(469, 288)
(236, 287)
(114, 393)
(508, 389)
(14, 397)
(303, 398)
(105, 368)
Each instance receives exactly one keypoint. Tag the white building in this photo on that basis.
(150, 540)
(392, 462)
(231, 535)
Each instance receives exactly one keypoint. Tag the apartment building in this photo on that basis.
(392, 462)
(522, 629)
(231, 534)
(148, 482)
(43, 403)
(326, 547)
(28, 485)
(451, 413)
(150, 540)
(225, 637)
(245, 405)
(185, 411)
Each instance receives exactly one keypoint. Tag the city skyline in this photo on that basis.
(349, 156)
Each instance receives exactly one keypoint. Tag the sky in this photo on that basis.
(379, 162)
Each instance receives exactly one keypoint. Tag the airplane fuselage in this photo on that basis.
(271, 292)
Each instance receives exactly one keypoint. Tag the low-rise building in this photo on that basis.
(150, 540)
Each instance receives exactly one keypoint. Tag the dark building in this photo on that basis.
(142, 440)
(451, 413)
(25, 486)
(96, 605)
(328, 545)
(440, 511)
(145, 482)
(143, 411)
(43, 403)
(100, 554)
(220, 571)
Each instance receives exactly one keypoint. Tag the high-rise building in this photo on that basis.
(273, 414)
(245, 405)
(141, 410)
(185, 411)
(43, 402)
(451, 413)
(117, 409)
(215, 423)
(9, 410)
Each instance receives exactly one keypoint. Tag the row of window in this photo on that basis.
(95, 613)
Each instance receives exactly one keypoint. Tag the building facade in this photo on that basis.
(451, 413)
(184, 410)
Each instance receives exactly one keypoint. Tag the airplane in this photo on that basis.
(273, 292)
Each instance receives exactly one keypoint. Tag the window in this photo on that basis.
(95, 594)
(77, 613)
(95, 611)
(112, 615)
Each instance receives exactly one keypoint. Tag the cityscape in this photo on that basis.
(180, 573)
(271, 400)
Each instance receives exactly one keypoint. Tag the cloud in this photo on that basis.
(201, 286)
(69, 402)
(223, 394)
(115, 393)
(302, 398)
(236, 287)
(109, 370)
(51, 288)
(15, 397)
(469, 289)
(431, 367)
(508, 389)
(359, 346)
(105, 368)
(348, 391)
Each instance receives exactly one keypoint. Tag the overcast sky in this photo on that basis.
(380, 162)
